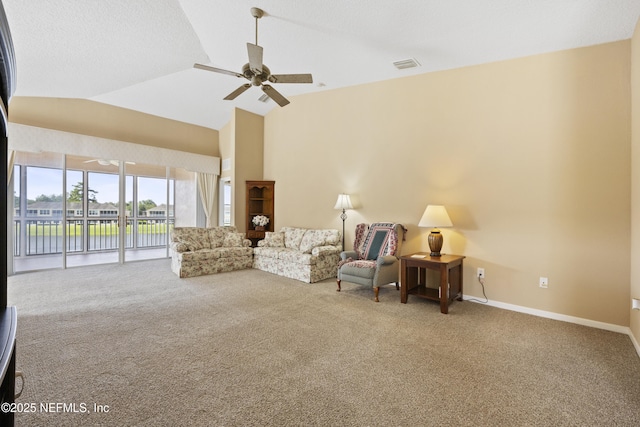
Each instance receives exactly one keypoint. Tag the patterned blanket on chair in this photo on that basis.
(371, 242)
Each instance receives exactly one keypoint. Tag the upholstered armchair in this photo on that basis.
(374, 260)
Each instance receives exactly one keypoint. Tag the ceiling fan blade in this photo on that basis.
(255, 57)
(217, 70)
(117, 162)
(235, 93)
(291, 78)
(275, 95)
(103, 162)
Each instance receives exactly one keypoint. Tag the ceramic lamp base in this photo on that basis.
(435, 242)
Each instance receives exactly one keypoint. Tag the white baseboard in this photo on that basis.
(635, 342)
(562, 317)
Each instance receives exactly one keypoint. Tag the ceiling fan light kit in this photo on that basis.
(258, 73)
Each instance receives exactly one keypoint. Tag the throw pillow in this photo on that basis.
(273, 239)
(310, 240)
(192, 244)
(216, 237)
(195, 238)
(293, 236)
(180, 246)
(332, 237)
(233, 240)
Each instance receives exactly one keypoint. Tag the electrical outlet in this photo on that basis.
(480, 273)
(544, 282)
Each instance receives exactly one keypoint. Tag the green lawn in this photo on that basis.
(94, 229)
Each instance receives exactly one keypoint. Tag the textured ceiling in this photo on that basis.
(139, 54)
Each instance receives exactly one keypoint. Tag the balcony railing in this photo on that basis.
(43, 237)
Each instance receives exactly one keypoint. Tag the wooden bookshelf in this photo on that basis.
(260, 201)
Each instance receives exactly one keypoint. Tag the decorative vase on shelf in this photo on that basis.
(259, 222)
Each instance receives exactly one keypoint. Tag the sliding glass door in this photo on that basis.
(37, 212)
(71, 211)
(149, 207)
(92, 211)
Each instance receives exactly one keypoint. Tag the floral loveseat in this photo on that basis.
(299, 253)
(196, 251)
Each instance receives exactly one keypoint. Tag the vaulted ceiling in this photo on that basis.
(139, 54)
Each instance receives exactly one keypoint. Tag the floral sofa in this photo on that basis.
(299, 253)
(196, 251)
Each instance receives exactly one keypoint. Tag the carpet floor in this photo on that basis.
(135, 345)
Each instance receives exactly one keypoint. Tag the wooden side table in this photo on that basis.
(413, 278)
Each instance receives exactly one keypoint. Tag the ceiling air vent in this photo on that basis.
(264, 98)
(406, 63)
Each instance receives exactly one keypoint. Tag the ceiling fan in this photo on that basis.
(258, 73)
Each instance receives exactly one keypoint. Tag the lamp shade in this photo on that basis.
(343, 202)
(435, 216)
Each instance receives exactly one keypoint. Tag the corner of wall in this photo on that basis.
(635, 183)
(246, 141)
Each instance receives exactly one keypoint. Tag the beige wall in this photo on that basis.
(106, 121)
(249, 148)
(241, 141)
(530, 157)
(635, 186)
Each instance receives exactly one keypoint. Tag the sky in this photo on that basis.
(49, 181)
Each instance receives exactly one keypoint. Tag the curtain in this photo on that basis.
(207, 184)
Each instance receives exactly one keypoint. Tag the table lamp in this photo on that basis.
(435, 216)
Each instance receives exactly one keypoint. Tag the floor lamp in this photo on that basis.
(343, 203)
